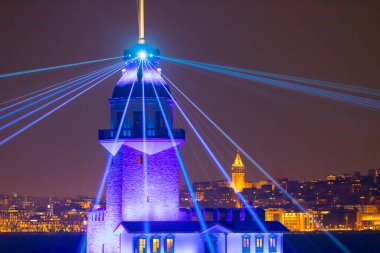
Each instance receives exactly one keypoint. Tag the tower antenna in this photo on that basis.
(141, 22)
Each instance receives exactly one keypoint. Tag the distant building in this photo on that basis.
(375, 174)
(263, 184)
(9, 219)
(238, 174)
(50, 208)
(74, 220)
(294, 221)
(330, 178)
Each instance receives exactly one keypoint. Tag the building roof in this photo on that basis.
(194, 226)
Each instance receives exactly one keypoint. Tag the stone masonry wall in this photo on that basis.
(156, 197)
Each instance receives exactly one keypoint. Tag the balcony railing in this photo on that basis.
(138, 133)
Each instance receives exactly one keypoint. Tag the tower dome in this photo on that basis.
(149, 77)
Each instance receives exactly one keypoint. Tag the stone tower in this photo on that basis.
(238, 174)
(142, 183)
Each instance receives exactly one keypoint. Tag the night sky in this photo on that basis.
(289, 134)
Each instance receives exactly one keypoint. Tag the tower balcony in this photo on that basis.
(106, 134)
(157, 139)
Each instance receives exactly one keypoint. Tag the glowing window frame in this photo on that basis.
(259, 243)
(137, 244)
(246, 243)
(155, 237)
(273, 242)
(171, 237)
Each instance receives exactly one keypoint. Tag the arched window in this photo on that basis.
(259, 243)
(246, 243)
(155, 244)
(272, 243)
(169, 244)
(140, 244)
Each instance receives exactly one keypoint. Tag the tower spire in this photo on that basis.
(141, 22)
(238, 162)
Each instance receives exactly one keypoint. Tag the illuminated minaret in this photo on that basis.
(142, 183)
(238, 174)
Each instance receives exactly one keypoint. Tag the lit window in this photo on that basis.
(272, 243)
(259, 243)
(139, 159)
(155, 245)
(169, 244)
(246, 243)
(140, 246)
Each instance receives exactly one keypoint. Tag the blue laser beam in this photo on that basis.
(216, 161)
(52, 111)
(206, 130)
(53, 88)
(57, 67)
(146, 223)
(331, 85)
(185, 175)
(300, 88)
(103, 180)
(73, 84)
(257, 165)
(37, 91)
(54, 100)
(336, 96)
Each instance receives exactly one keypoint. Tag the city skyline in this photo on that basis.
(340, 203)
(62, 156)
